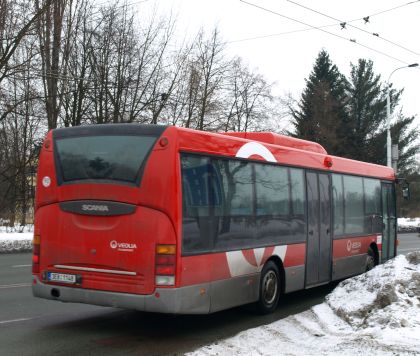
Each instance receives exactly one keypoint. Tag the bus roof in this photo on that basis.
(282, 149)
(285, 150)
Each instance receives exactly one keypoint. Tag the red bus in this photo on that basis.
(173, 220)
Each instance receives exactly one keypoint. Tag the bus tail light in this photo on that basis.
(36, 243)
(165, 262)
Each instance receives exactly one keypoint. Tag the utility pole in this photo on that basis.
(388, 115)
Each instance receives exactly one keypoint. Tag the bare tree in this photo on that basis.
(250, 99)
(212, 67)
(19, 132)
(14, 26)
(50, 32)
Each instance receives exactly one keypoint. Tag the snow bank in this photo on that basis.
(384, 302)
(16, 239)
(408, 224)
(377, 313)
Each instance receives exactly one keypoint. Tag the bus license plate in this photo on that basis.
(61, 277)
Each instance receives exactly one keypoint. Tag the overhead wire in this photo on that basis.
(393, 8)
(277, 34)
(325, 31)
(323, 26)
(345, 23)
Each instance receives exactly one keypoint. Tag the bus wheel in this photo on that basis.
(269, 288)
(370, 260)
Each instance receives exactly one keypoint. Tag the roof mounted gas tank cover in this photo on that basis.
(281, 140)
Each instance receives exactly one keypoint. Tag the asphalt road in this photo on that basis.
(32, 326)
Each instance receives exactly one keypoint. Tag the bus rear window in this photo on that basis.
(105, 158)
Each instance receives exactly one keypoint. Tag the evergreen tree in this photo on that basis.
(321, 110)
(367, 111)
(348, 117)
(366, 128)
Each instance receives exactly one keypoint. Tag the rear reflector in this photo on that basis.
(165, 259)
(165, 270)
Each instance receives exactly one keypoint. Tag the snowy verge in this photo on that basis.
(22, 243)
(408, 224)
(16, 238)
(377, 313)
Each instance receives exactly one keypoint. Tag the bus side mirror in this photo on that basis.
(406, 192)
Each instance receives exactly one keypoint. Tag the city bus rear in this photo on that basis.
(104, 217)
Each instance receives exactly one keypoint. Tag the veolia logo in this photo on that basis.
(122, 246)
(351, 246)
(90, 207)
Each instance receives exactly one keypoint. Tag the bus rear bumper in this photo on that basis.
(185, 300)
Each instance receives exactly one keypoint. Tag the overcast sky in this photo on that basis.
(287, 57)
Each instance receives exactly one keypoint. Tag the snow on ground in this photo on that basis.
(408, 224)
(16, 239)
(377, 313)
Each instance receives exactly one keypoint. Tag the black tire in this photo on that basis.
(370, 259)
(270, 288)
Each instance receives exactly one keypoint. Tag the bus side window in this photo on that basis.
(373, 214)
(338, 204)
(353, 204)
(272, 190)
(298, 191)
(197, 232)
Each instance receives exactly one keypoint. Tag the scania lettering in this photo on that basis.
(173, 220)
(95, 207)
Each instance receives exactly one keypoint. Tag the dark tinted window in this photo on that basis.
(202, 189)
(298, 191)
(372, 188)
(373, 215)
(353, 205)
(272, 190)
(102, 157)
(237, 185)
(338, 204)
(231, 204)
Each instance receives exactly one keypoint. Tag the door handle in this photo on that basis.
(328, 231)
(311, 232)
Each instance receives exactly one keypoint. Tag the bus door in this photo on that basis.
(318, 252)
(389, 221)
